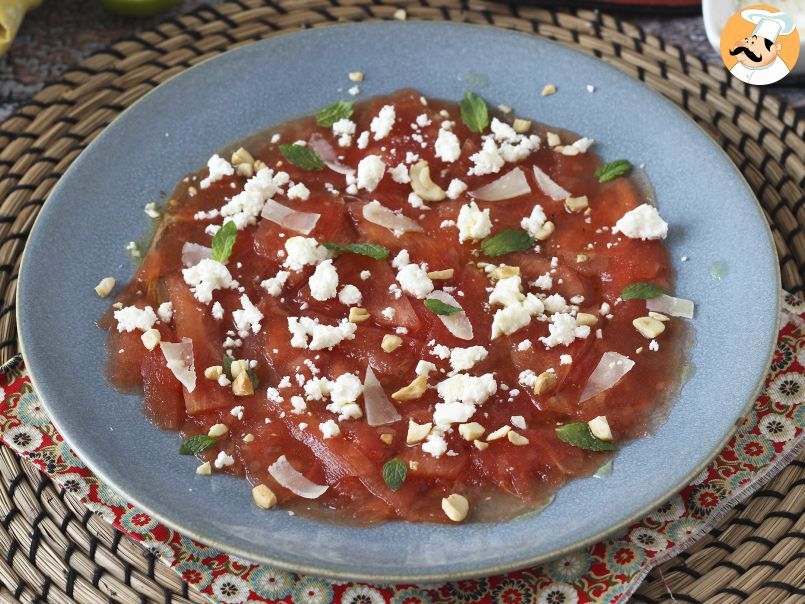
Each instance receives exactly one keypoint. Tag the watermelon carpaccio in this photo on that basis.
(264, 305)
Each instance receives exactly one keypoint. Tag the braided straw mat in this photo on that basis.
(758, 553)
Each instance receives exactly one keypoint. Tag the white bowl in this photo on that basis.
(716, 13)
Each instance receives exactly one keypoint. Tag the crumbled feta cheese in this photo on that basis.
(131, 318)
(206, 277)
(524, 345)
(329, 429)
(217, 311)
(245, 207)
(382, 124)
(354, 91)
(388, 313)
(299, 191)
(223, 460)
(527, 378)
(344, 129)
(370, 172)
(644, 222)
(516, 316)
(399, 173)
(249, 317)
(563, 330)
(555, 303)
(365, 275)
(423, 120)
(363, 140)
(416, 201)
(218, 168)
(447, 146)
(350, 295)
(533, 224)
(273, 285)
(473, 224)
(653, 346)
(507, 291)
(442, 352)
(486, 161)
(304, 251)
(435, 444)
(456, 188)
(414, 280)
(544, 282)
(165, 312)
(424, 368)
(403, 258)
(565, 359)
(468, 389)
(463, 359)
(321, 336)
(299, 405)
(324, 281)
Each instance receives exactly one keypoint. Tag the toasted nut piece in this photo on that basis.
(504, 271)
(192, 191)
(545, 231)
(417, 432)
(264, 497)
(456, 507)
(356, 76)
(471, 431)
(413, 390)
(548, 90)
(259, 165)
(576, 204)
(600, 428)
(151, 338)
(480, 445)
(516, 439)
(238, 367)
(246, 170)
(581, 258)
(585, 318)
(387, 438)
(205, 468)
(248, 438)
(214, 372)
(648, 327)
(390, 342)
(658, 316)
(414, 465)
(358, 314)
(553, 139)
(499, 433)
(242, 156)
(638, 350)
(521, 126)
(242, 386)
(218, 430)
(545, 380)
(105, 287)
(441, 275)
(421, 183)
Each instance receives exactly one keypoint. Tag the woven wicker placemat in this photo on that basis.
(53, 549)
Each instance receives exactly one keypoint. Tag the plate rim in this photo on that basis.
(322, 570)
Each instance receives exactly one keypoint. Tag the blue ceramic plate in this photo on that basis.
(98, 206)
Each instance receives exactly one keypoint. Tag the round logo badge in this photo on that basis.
(760, 45)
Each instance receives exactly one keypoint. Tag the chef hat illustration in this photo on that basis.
(769, 25)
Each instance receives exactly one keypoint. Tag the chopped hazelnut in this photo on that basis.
(358, 314)
(391, 342)
(600, 428)
(456, 507)
(214, 372)
(545, 231)
(218, 430)
(498, 434)
(576, 204)
(553, 139)
(417, 432)
(264, 497)
(649, 328)
(516, 439)
(151, 338)
(545, 380)
(387, 438)
(356, 76)
(238, 367)
(105, 287)
(658, 316)
(584, 318)
(242, 386)
(412, 391)
(504, 271)
(205, 468)
(581, 258)
(248, 438)
(471, 431)
(414, 465)
(441, 275)
(480, 445)
(521, 126)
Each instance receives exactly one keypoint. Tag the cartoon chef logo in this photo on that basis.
(760, 45)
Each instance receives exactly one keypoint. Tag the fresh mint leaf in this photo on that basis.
(253, 378)
(437, 307)
(373, 250)
(302, 157)
(196, 444)
(224, 241)
(506, 242)
(613, 170)
(474, 112)
(228, 367)
(394, 473)
(331, 114)
(641, 291)
(579, 435)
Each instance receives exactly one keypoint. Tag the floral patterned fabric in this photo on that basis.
(609, 571)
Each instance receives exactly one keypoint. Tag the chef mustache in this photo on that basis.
(750, 55)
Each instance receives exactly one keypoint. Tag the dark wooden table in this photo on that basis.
(62, 32)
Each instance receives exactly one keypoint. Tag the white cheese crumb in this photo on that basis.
(382, 124)
(424, 368)
(473, 224)
(565, 359)
(463, 359)
(365, 275)
(223, 460)
(535, 221)
(131, 318)
(165, 312)
(644, 222)
(273, 285)
(304, 251)
(414, 280)
(563, 330)
(370, 172)
(321, 336)
(249, 317)
(456, 188)
(447, 146)
(388, 313)
(324, 281)
(217, 311)
(299, 191)
(363, 140)
(218, 168)
(344, 129)
(329, 429)
(653, 346)
(399, 174)
(350, 295)
(524, 345)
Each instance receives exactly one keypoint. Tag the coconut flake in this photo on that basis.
(301, 222)
(676, 307)
(458, 324)
(549, 187)
(512, 184)
(327, 154)
(609, 371)
(179, 357)
(193, 253)
(285, 474)
(379, 409)
(379, 214)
